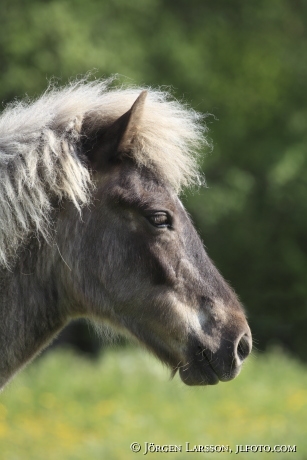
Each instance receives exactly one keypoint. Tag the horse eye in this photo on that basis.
(160, 220)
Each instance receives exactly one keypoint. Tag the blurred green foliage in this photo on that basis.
(244, 62)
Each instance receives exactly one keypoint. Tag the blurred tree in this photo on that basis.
(242, 61)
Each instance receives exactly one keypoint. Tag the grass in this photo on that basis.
(66, 408)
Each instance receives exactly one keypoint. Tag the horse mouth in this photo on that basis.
(198, 371)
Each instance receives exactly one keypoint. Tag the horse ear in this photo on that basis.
(119, 137)
(131, 123)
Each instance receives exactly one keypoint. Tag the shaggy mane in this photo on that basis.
(41, 162)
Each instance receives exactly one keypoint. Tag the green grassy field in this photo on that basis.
(63, 407)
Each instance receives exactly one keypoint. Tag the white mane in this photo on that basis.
(40, 161)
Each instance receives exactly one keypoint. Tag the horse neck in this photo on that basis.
(30, 312)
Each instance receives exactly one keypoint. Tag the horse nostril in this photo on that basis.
(244, 347)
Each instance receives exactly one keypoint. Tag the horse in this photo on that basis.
(92, 226)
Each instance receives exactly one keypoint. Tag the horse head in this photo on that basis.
(137, 263)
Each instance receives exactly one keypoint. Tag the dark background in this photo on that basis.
(245, 63)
